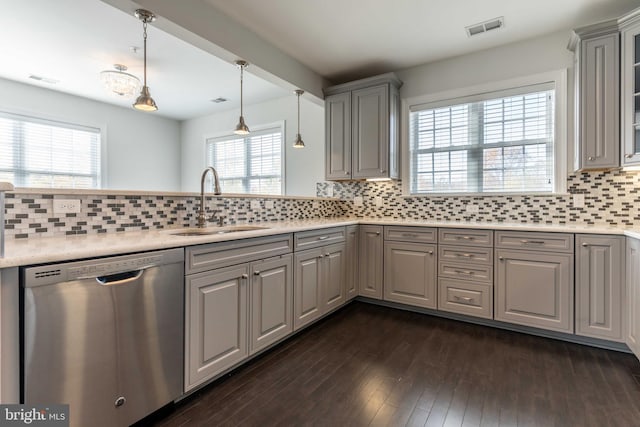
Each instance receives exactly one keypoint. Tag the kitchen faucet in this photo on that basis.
(202, 216)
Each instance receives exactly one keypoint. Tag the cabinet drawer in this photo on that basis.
(557, 242)
(464, 254)
(316, 238)
(215, 255)
(467, 237)
(472, 272)
(473, 299)
(411, 234)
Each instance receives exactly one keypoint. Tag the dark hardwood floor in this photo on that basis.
(370, 365)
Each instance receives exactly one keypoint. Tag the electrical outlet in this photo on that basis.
(255, 205)
(473, 209)
(358, 201)
(330, 190)
(378, 201)
(63, 206)
(268, 204)
(578, 200)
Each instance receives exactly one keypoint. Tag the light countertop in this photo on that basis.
(19, 252)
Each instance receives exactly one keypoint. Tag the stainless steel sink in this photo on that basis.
(214, 230)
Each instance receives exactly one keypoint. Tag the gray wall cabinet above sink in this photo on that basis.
(362, 129)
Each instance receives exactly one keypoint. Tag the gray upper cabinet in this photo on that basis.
(597, 78)
(338, 136)
(362, 129)
(600, 268)
(630, 88)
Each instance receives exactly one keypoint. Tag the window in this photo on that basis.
(493, 143)
(43, 153)
(248, 164)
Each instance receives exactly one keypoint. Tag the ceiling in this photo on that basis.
(72, 41)
(346, 39)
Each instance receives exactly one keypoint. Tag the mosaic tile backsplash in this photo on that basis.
(29, 215)
(611, 198)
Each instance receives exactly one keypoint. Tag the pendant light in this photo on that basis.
(241, 127)
(298, 143)
(145, 102)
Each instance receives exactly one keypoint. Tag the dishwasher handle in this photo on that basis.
(120, 278)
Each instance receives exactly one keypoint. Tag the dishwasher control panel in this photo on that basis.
(111, 267)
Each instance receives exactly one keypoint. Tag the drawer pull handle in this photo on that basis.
(533, 242)
(467, 272)
(409, 235)
(465, 255)
(465, 299)
(465, 237)
(323, 237)
(244, 276)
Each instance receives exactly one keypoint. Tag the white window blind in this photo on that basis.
(43, 153)
(493, 145)
(250, 164)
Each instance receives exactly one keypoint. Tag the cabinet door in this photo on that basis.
(599, 275)
(333, 276)
(370, 132)
(271, 296)
(410, 273)
(534, 289)
(351, 260)
(633, 296)
(216, 315)
(307, 297)
(599, 131)
(630, 92)
(338, 136)
(371, 261)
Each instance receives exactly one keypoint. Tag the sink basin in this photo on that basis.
(214, 230)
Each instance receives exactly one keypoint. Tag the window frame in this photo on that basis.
(505, 88)
(280, 125)
(69, 123)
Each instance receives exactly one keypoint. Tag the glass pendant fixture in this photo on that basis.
(241, 127)
(298, 143)
(145, 102)
(118, 82)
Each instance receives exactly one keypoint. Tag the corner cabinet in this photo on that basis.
(600, 265)
(633, 296)
(630, 88)
(362, 129)
(371, 258)
(597, 91)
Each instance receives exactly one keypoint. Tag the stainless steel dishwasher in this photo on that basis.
(104, 336)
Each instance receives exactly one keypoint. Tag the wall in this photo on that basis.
(142, 148)
(303, 167)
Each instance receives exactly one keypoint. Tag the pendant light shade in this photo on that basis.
(145, 102)
(298, 143)
(241, 127)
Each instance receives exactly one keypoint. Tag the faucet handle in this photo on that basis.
(214, 216)
(221, 219)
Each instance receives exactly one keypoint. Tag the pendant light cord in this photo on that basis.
(241, 78)
(144, 35)
(298, 113)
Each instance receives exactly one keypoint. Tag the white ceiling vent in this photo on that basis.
(484, 27)
(219, 99)
(44, 79)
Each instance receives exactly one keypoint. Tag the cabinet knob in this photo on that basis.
(430, 252)
(628, 156)
(245, 276)
(326, 255)
(585, 245)
(377, 233)
(501, 258)
(320, 256)
(346, 173)
(256, 273)
(382, 171)
(591, 158)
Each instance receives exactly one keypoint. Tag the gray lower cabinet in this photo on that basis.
(319, 282)
(371, 261)
(351, 259)
(534, 288)
(600, 266)
(271, 296)
(216, 333)
(632, 337)
(410, 271)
